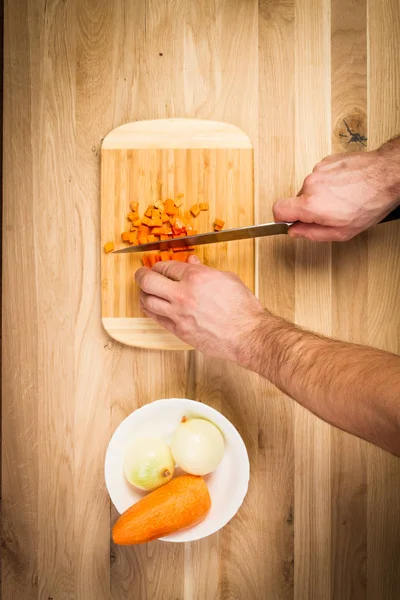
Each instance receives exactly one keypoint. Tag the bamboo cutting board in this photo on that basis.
(206, 161)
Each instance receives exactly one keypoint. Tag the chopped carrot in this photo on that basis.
(180, 195)
(192, 232)
(137, 223)
(164, 237)
(195, 210)
(147, 221)
(145, 261)
(135, 206)
(148, 211)
(178, 202)
(155, 214)
(132, 237)
(157, 230)
(142, 239)
(132, 216)
(169, 207)
(164, 218)
(165, 255)
(219, 223)
(125, 235)
(144, 230)
(108, 247)
(151, 238)
(158, 258)
(203, 206)
(156, 222)
(152, 259)
(181, 256)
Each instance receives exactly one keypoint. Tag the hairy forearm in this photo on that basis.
(355, 388)
(389, 157)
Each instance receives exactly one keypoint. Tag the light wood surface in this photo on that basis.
(322, 517)
(153, 160)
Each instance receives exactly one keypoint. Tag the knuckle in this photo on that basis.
(310, 180)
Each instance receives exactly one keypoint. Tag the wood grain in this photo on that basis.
(349, 311)
(147, 161)
(321, 519)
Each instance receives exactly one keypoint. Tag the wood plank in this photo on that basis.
(57, 300)
(349, 310)
(383, 294)
(20, 390)
(312, 525)
(275, 285)
(95, 59)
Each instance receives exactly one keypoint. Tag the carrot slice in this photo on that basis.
(151, 238)
(132, 237)
(125, 235)
(152, 259)
(164, 237)
(169, 207)
(142, 239)
(165, 255)
(157, 230)
(164, 218)
(108, 247)
(135, 206)
(145, 261)
(219, 223)
(195, 210)
(203, 206)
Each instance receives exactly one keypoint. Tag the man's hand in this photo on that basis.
(210, 310)
(344, 195)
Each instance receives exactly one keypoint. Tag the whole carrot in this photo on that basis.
(180, 503)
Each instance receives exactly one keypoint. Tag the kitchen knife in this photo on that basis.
(227, 235)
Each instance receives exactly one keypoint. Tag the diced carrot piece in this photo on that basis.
(125, 235)
(158, 204)
(180, 195)
(219, 223)
(164, 218)
(158, 258)
(132, 216)
(179, 235)
(148, 211)
(203, 206)
(169, 207)
(142, 239)
(192, 232)
(164, 237)
(147, 221)
(152, 259)
(181, 256)
(132, 237)
(135, 206)
(137, 223)
(217, 228)
(145, 261)
(165, 255)
(143, 230)
(195, 210)
(151, 238)
(155, 214)
(167, 229)
(156, 222)
(178, 202)
(108, 247)
(179, 249)
(157, 230)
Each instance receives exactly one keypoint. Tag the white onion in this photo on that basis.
(149, 464)
(197, 446)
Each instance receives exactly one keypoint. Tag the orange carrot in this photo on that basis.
(145, 261)
(165, 255)
(108, 247)
(134, 206)
(164, 218)
(164, 237)
(152, 259)
(137, 223)
(169, 207)
(132, 216)
(132, 237)
(125, 235)
(180, 503)
(157, 230)
(195, 210)
(151, 238)
(148, 211)
(203, 206)
(142, 239)
(218, 223)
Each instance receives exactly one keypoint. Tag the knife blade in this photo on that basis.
(227, 235)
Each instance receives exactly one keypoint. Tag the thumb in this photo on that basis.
(289, 210)
(194, 260)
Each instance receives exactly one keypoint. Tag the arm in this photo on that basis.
(353, 387)
(344, 195)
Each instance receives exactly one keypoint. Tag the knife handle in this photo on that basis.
(393, 216)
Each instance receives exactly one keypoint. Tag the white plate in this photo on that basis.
(227, 485)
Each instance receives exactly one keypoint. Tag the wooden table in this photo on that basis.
(322, 517)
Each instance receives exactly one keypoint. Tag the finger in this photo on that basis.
(319, 233)
(164, 321)
(156, 305)
(194, 260)
(154, 283)
(171, 269)
(290, 210)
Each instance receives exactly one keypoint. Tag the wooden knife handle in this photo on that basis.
(395, 214)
